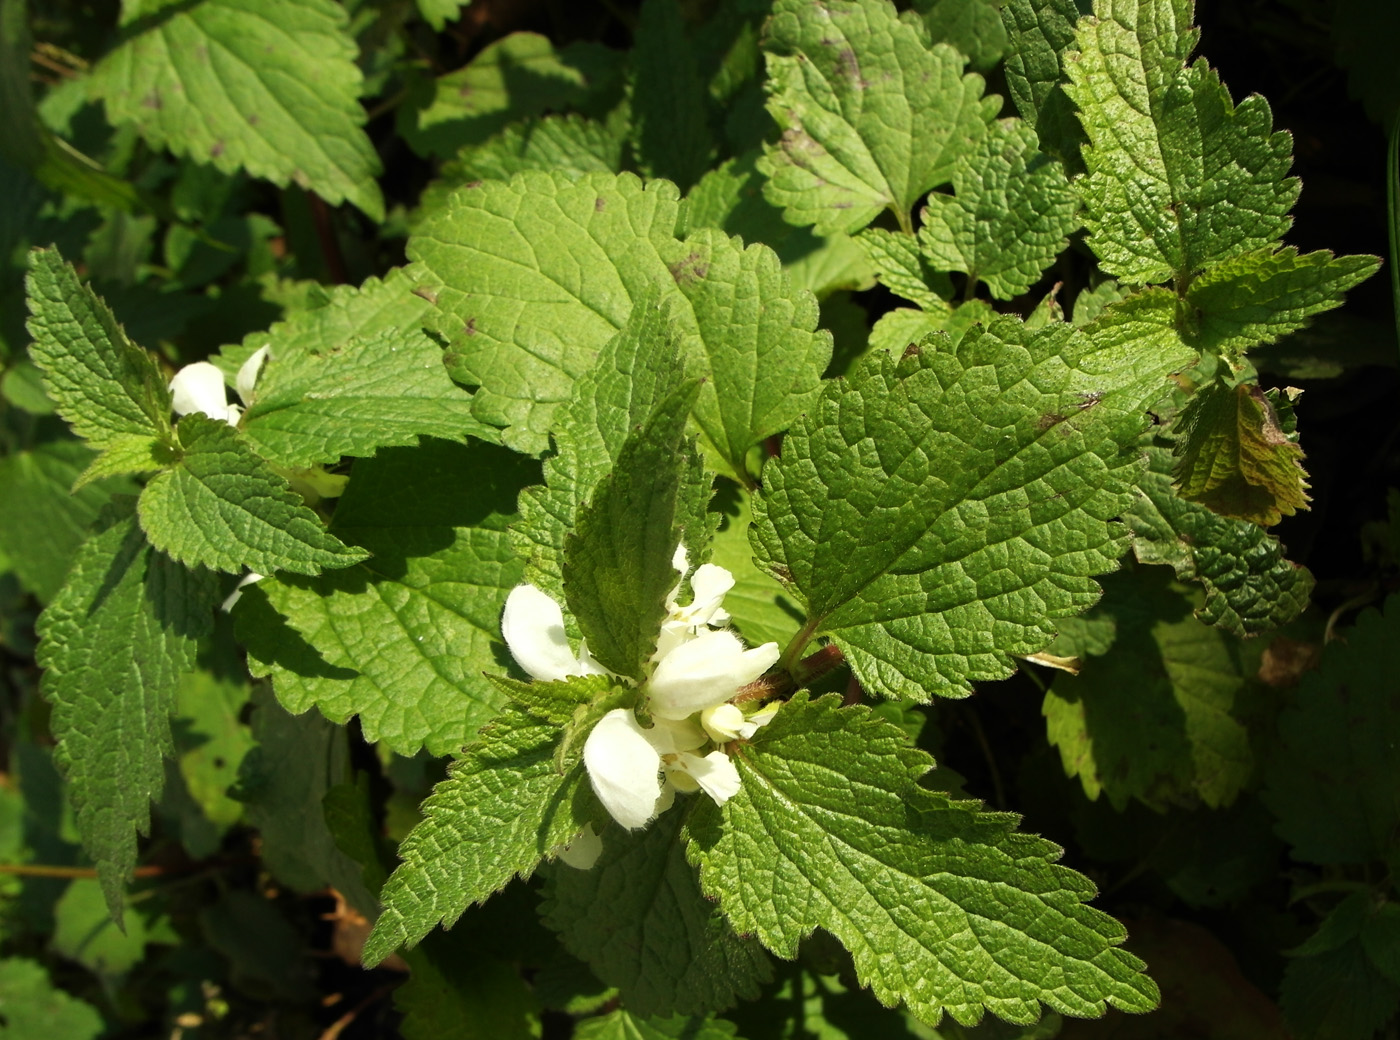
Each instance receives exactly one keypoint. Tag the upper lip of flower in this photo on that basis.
(695, 670)
(200, 388)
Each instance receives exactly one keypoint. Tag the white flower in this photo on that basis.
(237, 593)
(200, 388)
(533, 627)
(694, 675)
(583, 850)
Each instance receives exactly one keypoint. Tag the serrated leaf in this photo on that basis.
(758, 343)
(1250, 586)
(402, 639)
(974, 27)
(941, 904)
(1180, 737)
(457, 991)
(538, 274)
(903, 269)
(758, 606)
(270, 88)
(1179, 177)
(731, 197)
(1333, 785)
(1337, 995)
(617, 565)
(1234, 456)
(1258, 297)
(114, 643)
(34, 1007)
(639, 920)
(355, 396)
(501, 810)
(671, 133)
(282, 782)
(872, 116)
(222, 507)
(438, 13)
(558, 701)
(101, 382)
(624, 1025)
(634, 372)
(42, 523)
(1011, 214)
(570, 144)
(1038, 33)
(511, 78)
(938, 514)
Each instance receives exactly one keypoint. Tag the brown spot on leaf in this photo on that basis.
(426, 294)
(599, 204)
(691, 269)
(470, 327)
(217, 150)
(153, 100)
(254, 119)
(1285, 661)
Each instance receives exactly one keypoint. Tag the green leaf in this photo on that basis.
(1250, 586)
(270, 88)
(731, 197)
(350, 376)
(671, 134)
(1234, 455)
(86, 933)
(283, 782)
(502, 809)
(632, 376)
(639, 920)
(1337, 995)
(114, 643)
(457, 991)
(438, 13)
(514, 77)
(559, 701)
(941, 903)
(903, 269)
(974, 27)
(538, 274)
(938, 514)
(42, 524)
(1038, 33)
(872, 116)
(401, 640)
(34, 1008)
(1181, 737)
(617, 565)
(567, 144)
(210, 736)
(354, 397)
(101, 382)
(1333, 784)
(222, 507)
(624, 1025)
(1011, 214)
(758, 606)
(1261, 296)
(762, 353)
(28, 145)
(1179, 177)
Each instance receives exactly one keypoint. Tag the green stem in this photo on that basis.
(1392, 175)
(788, 662)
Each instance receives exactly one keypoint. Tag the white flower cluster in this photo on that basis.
(695, 672)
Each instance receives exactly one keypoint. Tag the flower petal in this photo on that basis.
(533, 627)
(723, 722)
(584, 850)
(249, 371)
(237, 593)
(200, 388)
(704, 672)
(715, 774)
(759, 718)
(709, 583)
(623, 768)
